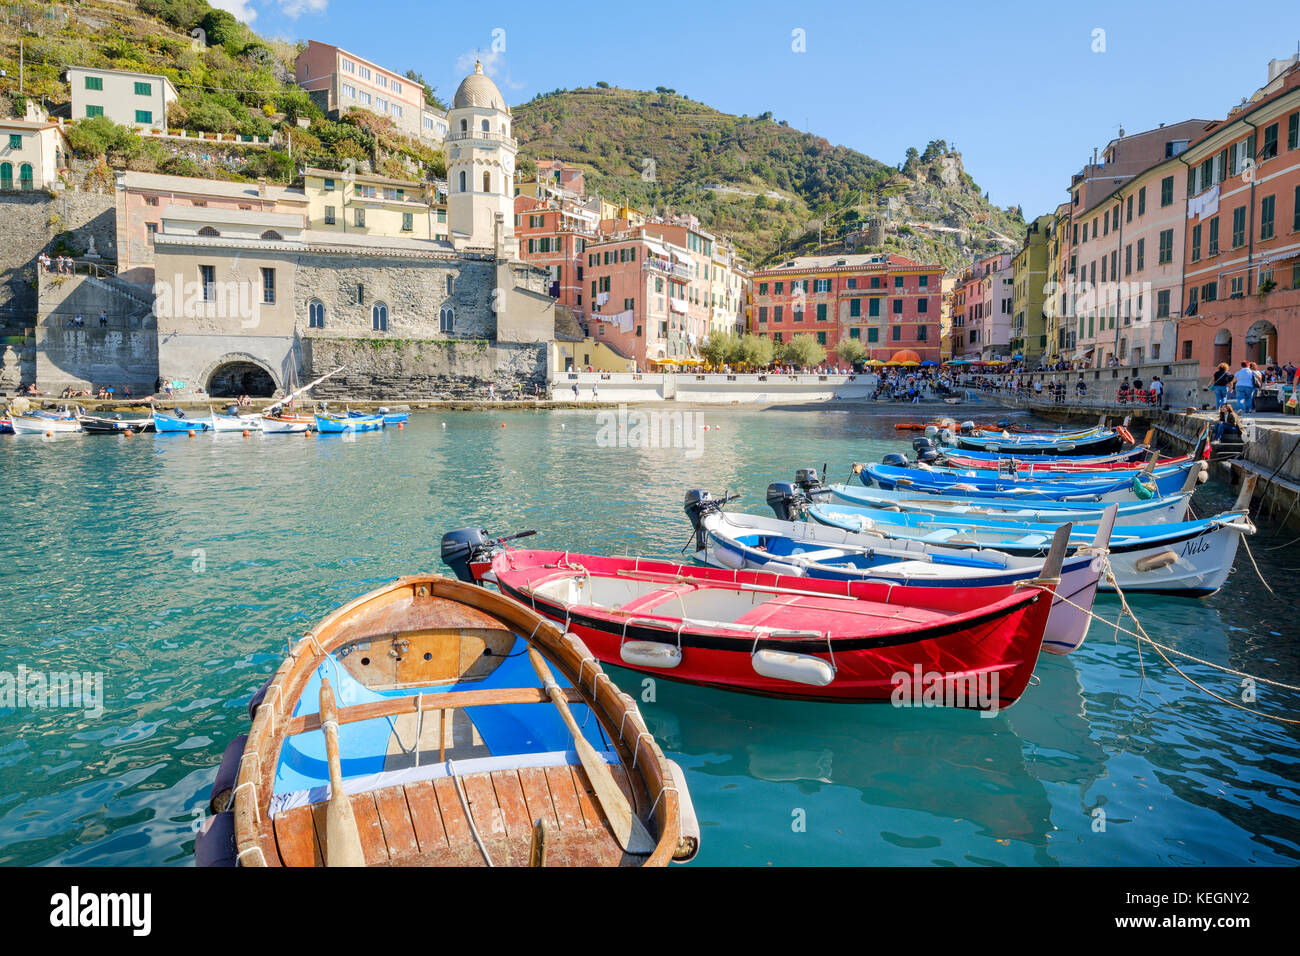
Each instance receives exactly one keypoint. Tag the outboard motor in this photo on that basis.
(920, 444)
(1005, 423)
(945, 436)
(786, 500)
(896, 460)
(965, 428)
(806, 479)
(699, 503)
(461, 547)
(927, 456)
(931, 431)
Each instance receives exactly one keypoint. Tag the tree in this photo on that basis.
(602, 85)
(912, 161)
(804, 351)
(851, 350)
(220, 28)
(721, 348)
(430, 92)
(756, 351)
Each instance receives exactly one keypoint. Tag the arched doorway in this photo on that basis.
(1223, 347)
(234, 379)
(1261, 343)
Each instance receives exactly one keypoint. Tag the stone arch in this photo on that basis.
(1223, 347)
(272, 236)
(238, 373)
(208, 231)
(1261, 343)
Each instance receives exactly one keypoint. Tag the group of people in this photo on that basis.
(1135, 392)
(1241, 386)
(77, 322)
(60, 264)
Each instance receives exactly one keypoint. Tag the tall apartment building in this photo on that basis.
(1030, 274)
(338, 81)
(982, 306)
(888, 302)
(1241, 289)
(1126, 156)
(553, 234)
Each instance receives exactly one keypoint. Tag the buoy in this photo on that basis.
(503, 424)
(191, 433)
(129, 433)
(400, 426)
(561, 428)
(245, 432)
(49, 434)
(650, 654)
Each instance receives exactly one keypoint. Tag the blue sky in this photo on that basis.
(1024, 90)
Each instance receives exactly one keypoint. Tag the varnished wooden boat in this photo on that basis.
(451, 751)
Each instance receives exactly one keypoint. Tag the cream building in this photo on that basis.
(480, 165)
(129, 99)
(31, 154)
(370, 205)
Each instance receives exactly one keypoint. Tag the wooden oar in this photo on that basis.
(627, 829)
(342, 841)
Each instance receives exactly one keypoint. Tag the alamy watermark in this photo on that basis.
(917, 688)
(234, 299)
(651, 429)
(27, 689)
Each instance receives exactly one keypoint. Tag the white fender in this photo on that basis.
(1153, 561)
(728, 558)
(798, 668)
(650, 654)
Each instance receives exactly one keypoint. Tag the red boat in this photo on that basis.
(1028, 466)
(787, 636)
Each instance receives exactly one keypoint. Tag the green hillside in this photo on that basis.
(759, 181)
(229, 80)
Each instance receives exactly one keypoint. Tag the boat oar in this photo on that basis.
(627, 829)
(342, 841)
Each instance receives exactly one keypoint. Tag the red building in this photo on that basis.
(887, 301)
(553, 234)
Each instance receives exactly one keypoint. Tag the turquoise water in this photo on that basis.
(182, 568)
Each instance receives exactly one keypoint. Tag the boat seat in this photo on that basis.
(1032, 540)
(943, 534)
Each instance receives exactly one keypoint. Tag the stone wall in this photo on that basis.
(414, 289)
(434, 369)
(29, 223)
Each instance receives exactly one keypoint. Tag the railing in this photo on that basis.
(480, 134)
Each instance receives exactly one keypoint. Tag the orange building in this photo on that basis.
(887, 301)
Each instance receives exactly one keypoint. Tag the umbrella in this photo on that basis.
(873, 362)
(929, 362)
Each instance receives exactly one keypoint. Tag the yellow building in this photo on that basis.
(370, 205)
(578, 356)
(1029, 279)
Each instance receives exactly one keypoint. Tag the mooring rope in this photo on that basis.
(1141, 636)
(1258, 573)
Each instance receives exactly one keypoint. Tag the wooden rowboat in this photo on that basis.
(452, 747)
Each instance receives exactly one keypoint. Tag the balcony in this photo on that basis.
(480, 135)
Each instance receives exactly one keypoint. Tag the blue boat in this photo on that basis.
(335, 424)
(1151, 511)
(973, 486)
(1186, 558)
(175, 423)
(390, 418)
(1095, 441)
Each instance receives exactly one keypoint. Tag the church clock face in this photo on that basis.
(509, 164)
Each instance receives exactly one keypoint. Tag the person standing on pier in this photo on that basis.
(1221, 384)
(1245, 381)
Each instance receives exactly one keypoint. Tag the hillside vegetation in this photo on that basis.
(761, 182)
(229, 80)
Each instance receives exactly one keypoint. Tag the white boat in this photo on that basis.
(235, 423)
(40, 425)
(742, 541)
(272, 425)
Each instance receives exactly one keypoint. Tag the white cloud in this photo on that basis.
(245, 12)
(242, 10)
(494, 63)
(296, 8)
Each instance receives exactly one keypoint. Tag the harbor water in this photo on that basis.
(181, 568)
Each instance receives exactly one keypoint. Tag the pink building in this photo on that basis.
(339, 81)
(983, 298)
(142, 197)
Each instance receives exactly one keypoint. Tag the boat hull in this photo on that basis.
(336, 424)
(35, 425)
(919, 564)
(1151, 511)
(997, 644)
(164, 424)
